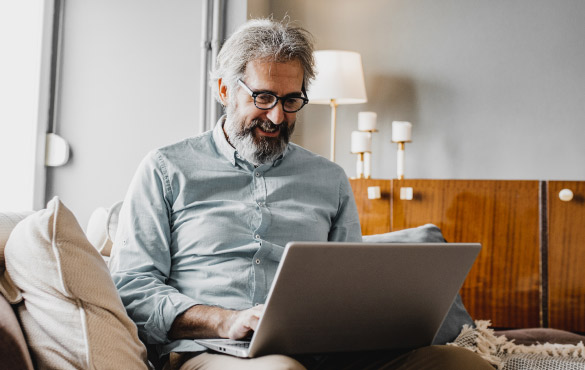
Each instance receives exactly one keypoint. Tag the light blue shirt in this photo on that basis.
(200, 225)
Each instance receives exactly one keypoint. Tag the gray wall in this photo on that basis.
(129, 84)
(494, 89)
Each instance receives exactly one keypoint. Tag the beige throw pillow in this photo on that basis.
(72, 315)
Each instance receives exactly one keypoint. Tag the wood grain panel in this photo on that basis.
(566, 256)
(374, 213)
(503, 285)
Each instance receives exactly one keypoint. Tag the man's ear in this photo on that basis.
(223, 92)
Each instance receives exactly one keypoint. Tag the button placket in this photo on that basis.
(259, 274)
(259, 262)
(260, 199)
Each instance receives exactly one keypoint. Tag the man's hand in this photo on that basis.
(242, 323)
(212, 322)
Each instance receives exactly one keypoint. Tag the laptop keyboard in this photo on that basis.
(240, 344)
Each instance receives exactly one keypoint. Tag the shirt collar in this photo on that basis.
(228, 151)
(223, 146)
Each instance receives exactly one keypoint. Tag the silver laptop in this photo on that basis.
(333, 297)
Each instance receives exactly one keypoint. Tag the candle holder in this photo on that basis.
(361, 144)
(367, 157)
(362, 170)
(360, 165)
(367, 124)
(368, 165)
(401, 134)
(400, 160)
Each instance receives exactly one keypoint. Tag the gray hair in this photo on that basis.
(266, 40)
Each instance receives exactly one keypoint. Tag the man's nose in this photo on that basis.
(276, 114)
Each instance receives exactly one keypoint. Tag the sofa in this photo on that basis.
(64, 312)
(60, 309)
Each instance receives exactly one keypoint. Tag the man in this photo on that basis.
(205, 221)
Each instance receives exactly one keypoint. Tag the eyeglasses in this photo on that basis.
(266, 100)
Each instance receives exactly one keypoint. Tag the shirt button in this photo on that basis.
(257, 236)
(257, 261)
(257, 174)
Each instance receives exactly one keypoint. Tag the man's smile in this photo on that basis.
(274, 133)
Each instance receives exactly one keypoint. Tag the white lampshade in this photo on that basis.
(340, 76)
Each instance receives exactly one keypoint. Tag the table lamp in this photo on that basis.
(339, 80)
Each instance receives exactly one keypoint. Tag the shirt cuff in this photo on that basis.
(160, 321)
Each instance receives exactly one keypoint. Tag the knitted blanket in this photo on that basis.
(504, 354)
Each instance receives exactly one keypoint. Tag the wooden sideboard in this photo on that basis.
(565, 256)
(531, 270)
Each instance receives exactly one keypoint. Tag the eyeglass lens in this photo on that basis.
(267, 101)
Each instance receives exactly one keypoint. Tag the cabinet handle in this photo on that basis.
(406, 193)
(566, 195)
(374, 192)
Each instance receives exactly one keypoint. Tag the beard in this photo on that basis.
(256, 149)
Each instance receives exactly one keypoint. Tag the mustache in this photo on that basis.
(267, 126)
(284, 129)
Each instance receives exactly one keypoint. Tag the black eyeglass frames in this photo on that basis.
(266, 100)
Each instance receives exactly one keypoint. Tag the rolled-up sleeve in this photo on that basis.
(346, 225)
(140, 260)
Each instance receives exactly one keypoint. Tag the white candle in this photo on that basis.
(361, 142)
(367, 121)
(401, 131)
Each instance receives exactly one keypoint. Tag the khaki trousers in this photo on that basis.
(431, 358)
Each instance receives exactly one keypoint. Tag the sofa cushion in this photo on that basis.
(102, 226)
(72, 316)
(457, 315)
